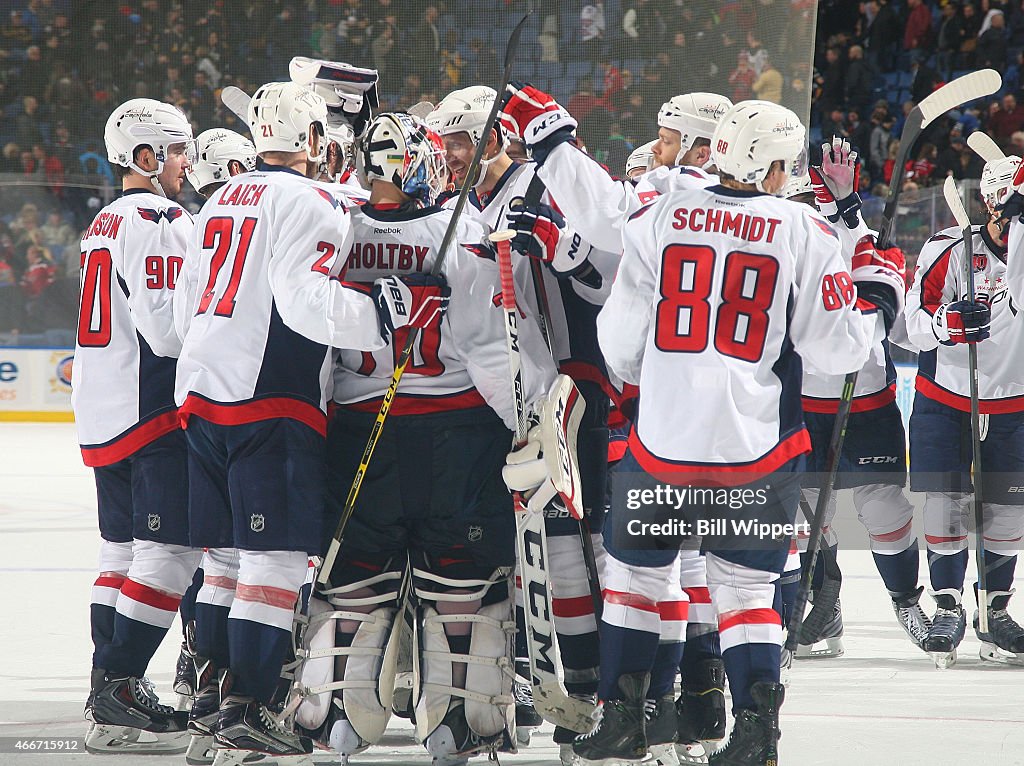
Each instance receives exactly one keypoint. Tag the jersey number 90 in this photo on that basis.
(683, 318)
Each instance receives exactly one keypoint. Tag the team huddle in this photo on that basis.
(687, 326)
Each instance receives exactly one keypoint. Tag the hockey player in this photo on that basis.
(724, 288)
(252, 387)
(873, 461)
(640, 161)
(562, 280)
(433, 508)
(128, 426)
(941, 320)
(600, 206)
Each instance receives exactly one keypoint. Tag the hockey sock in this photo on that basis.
(999, 571)
(580, 659)
(899, 571)
(257, 653)
(212, 633)
(699, 647)
(187, 608)
(623, 650)
(786, 588)
(667, 659)
(101, 611)
(140, 624)
(947, 571)
(745, 665)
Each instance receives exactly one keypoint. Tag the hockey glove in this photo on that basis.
(541, 233)
(411, 300)
(961, 322)
(836, 182)
(534, 116)
(1013, 208)
(878, 275)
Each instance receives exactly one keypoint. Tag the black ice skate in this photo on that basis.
(620, 733)
(1004, 641)
(452, 743)
(911, 616)
(702, 708)
(202, 719)
(662, 727)
(823, 624)
(565, 738)
(245, 727)
(755, 736)
(186, 674)
(128, 717)
(527, 718)
(947, 631)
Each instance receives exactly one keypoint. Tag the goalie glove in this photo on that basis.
(535, 117)
(878, 275)
(962, 322)
(546, 465)
(412, 300)
(836, 181)
(542, 233)
(350, 92)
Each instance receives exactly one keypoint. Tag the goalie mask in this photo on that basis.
(145, 122)
(754, 134)
(210, 156)
(399, 149)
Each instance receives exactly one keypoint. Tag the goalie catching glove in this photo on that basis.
(878, 275)
(836, 181)
(546, 465)
(534, 116)
(542, 233)
(412, 300)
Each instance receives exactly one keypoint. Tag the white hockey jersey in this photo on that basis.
(876, 381)
(572, 306)
(464, 363)
(942, 371)
(267, 250)
(719, 295)
(123, 381)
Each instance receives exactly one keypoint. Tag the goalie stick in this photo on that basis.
(323, 575)
(550, 698)
(956, 206)
(971, 86)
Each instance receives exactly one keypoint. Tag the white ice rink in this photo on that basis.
(882, 703)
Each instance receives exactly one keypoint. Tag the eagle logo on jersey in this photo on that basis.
(149, 214)
(327, 196)
(153, 522)
(257, 522)
(825, 228)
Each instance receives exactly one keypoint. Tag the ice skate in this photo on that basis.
(662, 726)
(186, 674)
(202, 719)
(453, 742)
(245, 727)
(127, 717)
(1004, 641)
(528, 720)
(911, 616)
(755, 736)
(826, 643)
(701, 709)
(620, 735)
(947, 630)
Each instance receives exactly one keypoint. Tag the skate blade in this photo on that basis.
(102, 738)
(229, 757)
(692, 753)
(566, 756)
(662, 755)
(944, 660)
(184, 701)
(523, 735)
(608, 761)
(833, 648)
(992, 653)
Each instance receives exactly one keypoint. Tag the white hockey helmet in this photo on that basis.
(144, 122)
(212, 151)
(797, 186)
(754, 134)
(997, 180)
(280, 116)
(400, 149)
(342, 134)
(641, 158)
(693, 115)
(464, 111)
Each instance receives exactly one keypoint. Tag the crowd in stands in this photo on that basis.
(64, 64)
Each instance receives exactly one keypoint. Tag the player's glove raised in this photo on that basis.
(1013, 208)
(878, 275)
(411, 300)
(541, 233)
(535, 116)
(836, 181)
(962, 322)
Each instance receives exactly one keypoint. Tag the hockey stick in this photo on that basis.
(971, 86)
(985, 147)
(956, 206)
(550, 698)
(828, 593)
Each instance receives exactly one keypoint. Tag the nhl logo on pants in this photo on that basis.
(475, 534)
(153, 522)
(256, 522)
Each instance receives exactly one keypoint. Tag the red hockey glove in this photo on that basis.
(534, 116)
(878, 275)
(541, 233)
(962, 322)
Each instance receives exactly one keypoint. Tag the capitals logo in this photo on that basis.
(149, 214)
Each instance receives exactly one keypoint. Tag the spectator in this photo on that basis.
(56, 233)
(11, 299)
(39, 274)
(949, 37)
(959, 161)
(881, 33)
(548, 39)
(483, 62)
(925, 78)
(859, 77)
(768, 85)
(858, 131)
(922, 169)
(742, 79)
(1017, 143)
(592, 26)
(15, 34)
(26, 124)
(890, 162)
(881, 137)
(992, 43)
(35, 73)
(970, 28)
(1004, 122)
(918, 29)
(424, 46)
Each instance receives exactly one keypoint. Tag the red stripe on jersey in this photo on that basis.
(410, 404)
(578, 370)
(1001, 539)
(110, 581)
(934, 280)
(937, 393)
(136, 591)
(748, 617)
(719, 474)
(131, 441)
(860, 403)
(698, 595)
(616, 450)
(253, 411)
(891, 537)
(580, 606)
(935, 540)
(632, 600)
(219, 581)
(676, 611)
(279, 598)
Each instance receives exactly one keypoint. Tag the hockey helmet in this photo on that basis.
(997, 181)
(280, 115)
(641, 158)
(144, 122)
(754, 134)
(693, 116)
(212, 151)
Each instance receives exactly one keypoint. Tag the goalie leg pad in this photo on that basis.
(465, 629)
(348, 651)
